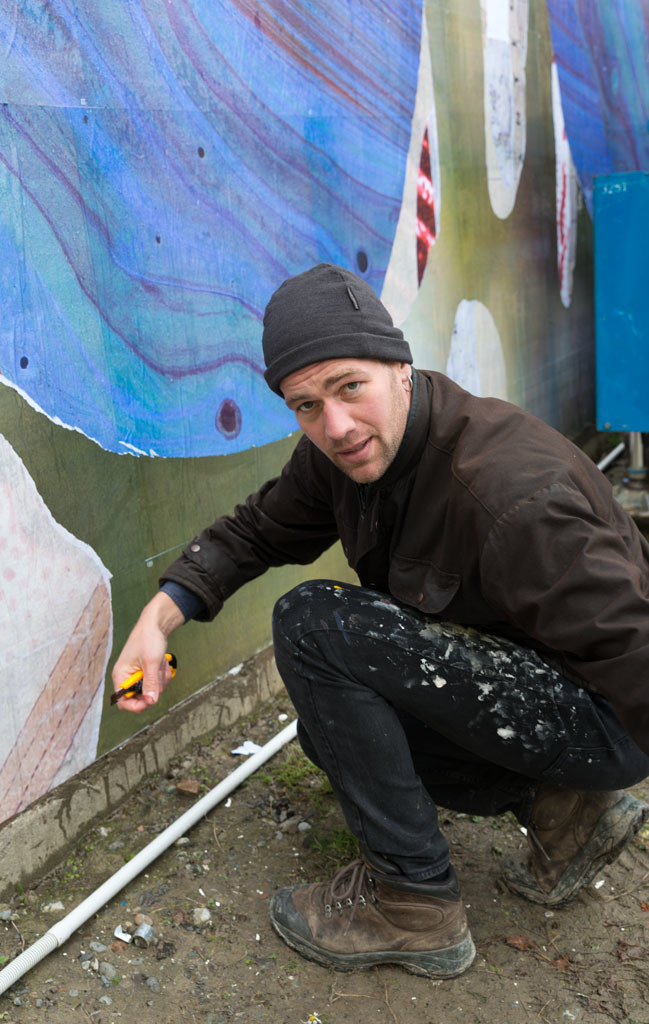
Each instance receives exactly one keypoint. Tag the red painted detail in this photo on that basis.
(563, 240)
(426, 228)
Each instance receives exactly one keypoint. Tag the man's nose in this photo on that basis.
(338, 421)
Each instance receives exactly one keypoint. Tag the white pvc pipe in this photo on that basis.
(62, 930)
(611, 457)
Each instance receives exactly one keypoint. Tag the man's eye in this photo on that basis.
(352, 386)
(305, 406)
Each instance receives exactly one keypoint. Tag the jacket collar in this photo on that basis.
(413, 441)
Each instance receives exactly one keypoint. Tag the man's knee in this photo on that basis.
(303, 604)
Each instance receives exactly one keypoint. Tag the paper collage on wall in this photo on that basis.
(55, 623)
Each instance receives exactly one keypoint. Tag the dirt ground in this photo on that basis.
(587, 962)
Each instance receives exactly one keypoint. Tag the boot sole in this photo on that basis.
(612, 833)
(437, 963)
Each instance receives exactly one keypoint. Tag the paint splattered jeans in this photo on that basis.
(404, 712)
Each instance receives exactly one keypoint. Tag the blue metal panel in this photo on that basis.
(621, 221)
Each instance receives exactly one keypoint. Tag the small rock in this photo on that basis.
(117, 845)
(6, 915)
(288, 825)
(153, 984)
(201, 916)
(118, 946)
(143, 919)
(52, 907)
(73, 993)
(38, 1003)
(304, 827)
(103, 980)
(183, 841)
(164, 950)
(18, 1002)
(97, 947)
(106, 1000)
(189, 786)
(107, 970)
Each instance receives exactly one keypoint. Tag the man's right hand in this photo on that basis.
(145, 649)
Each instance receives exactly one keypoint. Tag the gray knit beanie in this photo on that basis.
(326, 313)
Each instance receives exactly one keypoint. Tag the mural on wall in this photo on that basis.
(56, 628)
(601, 51)
(504, 41)
(163, 167)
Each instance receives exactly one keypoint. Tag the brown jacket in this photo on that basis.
(487, 517)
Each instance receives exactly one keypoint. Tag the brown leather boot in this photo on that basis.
(366, 916)
(572, 834)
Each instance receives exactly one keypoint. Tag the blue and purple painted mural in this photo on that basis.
(601, 51)
(163, 167)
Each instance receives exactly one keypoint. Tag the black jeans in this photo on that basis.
(404, 712)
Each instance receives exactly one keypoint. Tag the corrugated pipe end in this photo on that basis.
(27, 959)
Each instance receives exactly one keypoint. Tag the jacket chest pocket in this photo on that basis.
(422, 585)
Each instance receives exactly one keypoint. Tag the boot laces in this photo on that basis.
(351, 887)
(536, 843)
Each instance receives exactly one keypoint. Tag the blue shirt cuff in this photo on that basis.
(188, 602)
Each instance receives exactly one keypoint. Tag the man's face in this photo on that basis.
(353, 410)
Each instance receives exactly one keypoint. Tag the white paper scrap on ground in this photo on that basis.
(247, 747)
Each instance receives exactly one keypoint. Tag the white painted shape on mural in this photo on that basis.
(56, 628)
(476, 361)
(504, 44)
(567, 196)
(497, 19)
(401, 283)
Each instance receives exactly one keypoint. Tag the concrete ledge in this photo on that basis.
(35, 840)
